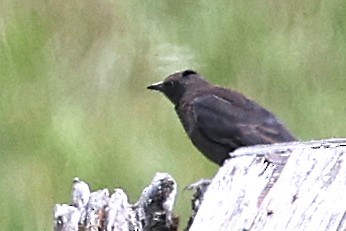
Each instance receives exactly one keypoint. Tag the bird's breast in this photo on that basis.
(185, 114)
(215, 152)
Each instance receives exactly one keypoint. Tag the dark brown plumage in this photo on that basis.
(219, 120)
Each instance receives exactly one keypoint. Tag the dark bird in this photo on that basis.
(219, 120)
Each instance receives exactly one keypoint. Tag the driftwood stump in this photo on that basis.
(96, 211)
(249, 194)
(288, 186)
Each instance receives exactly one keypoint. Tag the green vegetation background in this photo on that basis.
(73, 77)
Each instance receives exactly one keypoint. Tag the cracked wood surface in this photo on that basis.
(306, 193)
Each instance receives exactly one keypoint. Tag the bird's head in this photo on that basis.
(175, 85)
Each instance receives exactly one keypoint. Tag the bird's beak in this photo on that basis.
(156, 86)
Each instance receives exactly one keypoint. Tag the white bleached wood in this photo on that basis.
(99, 211)
(308, 195)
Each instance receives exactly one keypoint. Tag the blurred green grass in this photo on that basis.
(73, 99)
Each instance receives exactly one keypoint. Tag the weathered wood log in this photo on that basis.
(308, 195)
(98, 210)
(288, 186)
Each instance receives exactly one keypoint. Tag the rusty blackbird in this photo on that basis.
(219, 120)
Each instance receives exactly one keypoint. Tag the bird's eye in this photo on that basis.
(169, 84)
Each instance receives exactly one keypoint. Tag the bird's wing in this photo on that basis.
(227, 123)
